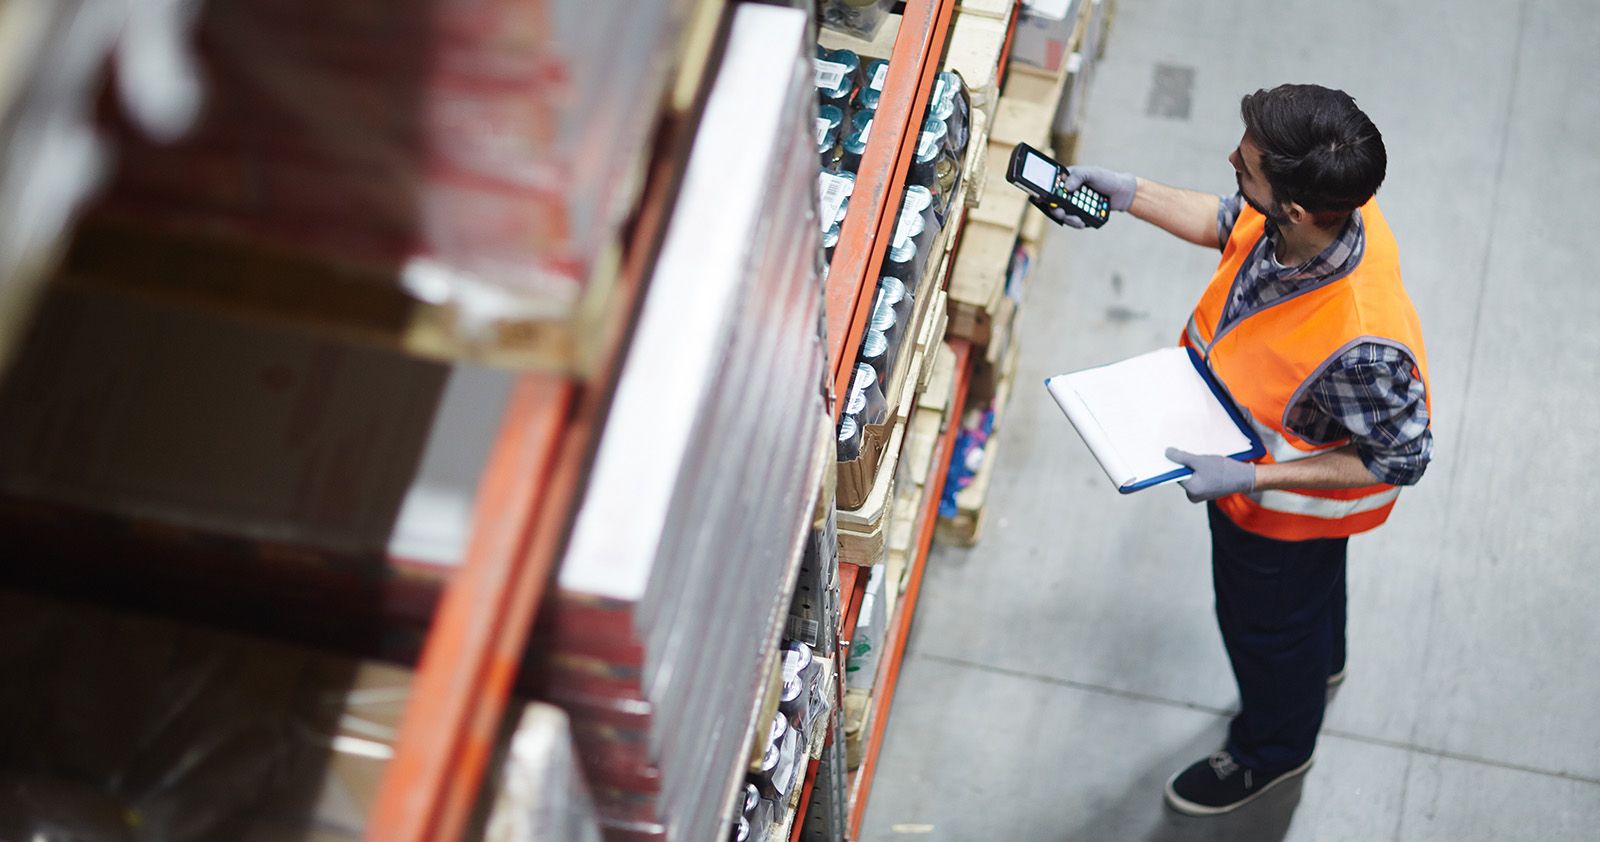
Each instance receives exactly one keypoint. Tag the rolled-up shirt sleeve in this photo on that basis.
(1371, 394)
(1227, 214)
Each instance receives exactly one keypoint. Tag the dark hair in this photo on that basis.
(1317, 148)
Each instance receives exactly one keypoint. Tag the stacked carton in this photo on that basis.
(677, 576)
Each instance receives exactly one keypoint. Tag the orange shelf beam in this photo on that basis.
(868, 227)
(440, 736)
(524, 511)
(1005, 51)
(883, 695)
(805, 799)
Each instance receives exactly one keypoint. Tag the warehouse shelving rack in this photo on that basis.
(982, 308)
(482, 612)
(480, 632)
(889, 671)
(486, 609)
(868, 228)
(919, 52)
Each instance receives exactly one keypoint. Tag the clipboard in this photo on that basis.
(1128, 413)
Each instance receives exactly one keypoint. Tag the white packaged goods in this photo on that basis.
(698, 506)
(54, 58)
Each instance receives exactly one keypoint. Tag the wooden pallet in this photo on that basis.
(976, 169)
(863, 531)
(1000, 9)
(928, 344)
(978, 280)
(976, 42)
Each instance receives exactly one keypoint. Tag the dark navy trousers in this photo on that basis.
(1281, 608)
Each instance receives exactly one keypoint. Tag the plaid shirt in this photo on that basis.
(1368, 395)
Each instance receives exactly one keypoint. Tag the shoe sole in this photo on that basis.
(1189, 808)
(1337, 678)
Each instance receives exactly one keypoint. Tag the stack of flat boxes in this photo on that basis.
(677, 579)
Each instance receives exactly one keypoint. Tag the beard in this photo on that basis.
(1274, 214)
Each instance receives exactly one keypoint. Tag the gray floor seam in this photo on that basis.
(1462, 758)
(1102, 690)
(1405, 792)
(1076, 685)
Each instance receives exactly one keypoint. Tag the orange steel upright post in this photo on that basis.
(440, 738)
(864, 239)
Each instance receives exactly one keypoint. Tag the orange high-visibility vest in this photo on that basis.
(1269, 358)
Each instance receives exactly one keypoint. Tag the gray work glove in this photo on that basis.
(1214, 476)
(1118, 187)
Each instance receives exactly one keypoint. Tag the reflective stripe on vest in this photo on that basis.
(1279, 446)
(1194, 336)
(1326, 508)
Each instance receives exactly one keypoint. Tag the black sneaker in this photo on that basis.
(1218, 785)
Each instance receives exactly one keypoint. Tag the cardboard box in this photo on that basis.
(1044, 31)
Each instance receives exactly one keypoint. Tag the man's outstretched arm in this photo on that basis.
(1186, 214)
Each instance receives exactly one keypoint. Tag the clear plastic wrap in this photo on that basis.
(53, 57)
(860, 18)
(542, 796)
(479, 153)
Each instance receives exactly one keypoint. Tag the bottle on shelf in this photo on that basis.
(856, 144)
(873, 407)
(893, 291)
(837, 75)
(875, 353)
(850, 435)
(871, 91)
(830, 121)
(905, 262)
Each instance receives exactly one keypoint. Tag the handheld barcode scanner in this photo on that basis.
(1044, 180)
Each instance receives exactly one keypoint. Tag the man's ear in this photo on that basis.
(1297, 214)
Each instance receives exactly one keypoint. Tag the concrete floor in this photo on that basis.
(1060, 671)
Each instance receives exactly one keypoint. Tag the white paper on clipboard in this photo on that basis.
(1130, 412)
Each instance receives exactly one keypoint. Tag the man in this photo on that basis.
(1308, 327)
